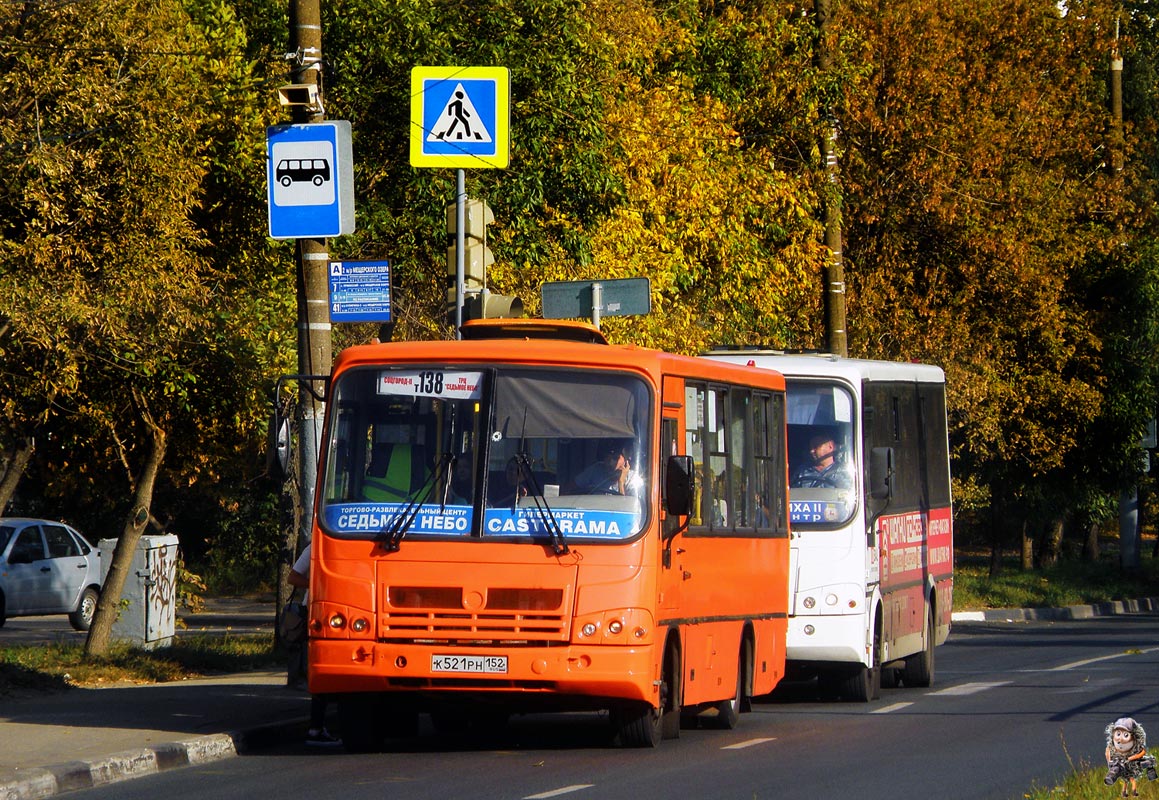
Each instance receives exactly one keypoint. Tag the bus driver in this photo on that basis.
(824, 471)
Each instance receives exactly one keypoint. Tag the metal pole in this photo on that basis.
(597, 303)
(460, 247)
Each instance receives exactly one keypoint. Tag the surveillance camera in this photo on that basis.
(300, 95)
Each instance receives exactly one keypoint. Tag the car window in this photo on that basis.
(27, 547)
(60, 542)
(6, 532)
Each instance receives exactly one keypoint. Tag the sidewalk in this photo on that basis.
(91, 737)
(1142, 605)
(88, 737)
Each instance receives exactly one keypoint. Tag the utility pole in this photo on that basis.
(835, 269)
(1116, 145)
(312, 257)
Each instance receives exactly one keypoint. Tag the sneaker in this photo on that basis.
(322, 738)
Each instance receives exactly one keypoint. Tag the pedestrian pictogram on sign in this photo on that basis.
(459, 121)
(460, 117)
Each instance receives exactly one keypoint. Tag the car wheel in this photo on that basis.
(82, 618)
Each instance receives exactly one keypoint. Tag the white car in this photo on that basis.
(47, 567)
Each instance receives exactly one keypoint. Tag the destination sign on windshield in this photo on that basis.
(444, 383)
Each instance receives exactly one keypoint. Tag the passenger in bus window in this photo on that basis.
(462, 480)
(610, 475)
(514, 486)
(825, 470)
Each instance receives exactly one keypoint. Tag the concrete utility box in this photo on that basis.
(149, 598)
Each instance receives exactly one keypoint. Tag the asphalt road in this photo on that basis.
(1013, 706)
(220, 616)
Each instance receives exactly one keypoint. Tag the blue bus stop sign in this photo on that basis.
(310, 179)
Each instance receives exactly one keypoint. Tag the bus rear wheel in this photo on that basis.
(728, 711)
(919, 668)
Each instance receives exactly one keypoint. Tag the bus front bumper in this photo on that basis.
(622, 673)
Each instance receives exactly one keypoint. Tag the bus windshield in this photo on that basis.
(517, 453)
(822, 482)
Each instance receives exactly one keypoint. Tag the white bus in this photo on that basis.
(871, 571)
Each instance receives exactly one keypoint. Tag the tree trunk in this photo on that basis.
(97, 643)
(16, 461)
(1026, 549)
(1050, 543)
(1091, 545)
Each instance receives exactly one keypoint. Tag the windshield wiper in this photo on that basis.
(391, 537)
(535, 492)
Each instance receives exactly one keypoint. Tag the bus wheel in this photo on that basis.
(641, 725)
(637, 725)
(919, 668)
(360, 721)
(864, 684)
(728, 711)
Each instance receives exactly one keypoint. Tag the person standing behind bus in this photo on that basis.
(824, 470)
(316, 735)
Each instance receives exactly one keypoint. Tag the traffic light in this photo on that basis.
(478, 303)
(476, 254)
(492, 306)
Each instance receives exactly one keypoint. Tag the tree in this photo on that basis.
(976, 207)
(104, 279)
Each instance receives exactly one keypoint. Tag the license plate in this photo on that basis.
(492, 665)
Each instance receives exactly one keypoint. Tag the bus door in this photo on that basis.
(670, 574)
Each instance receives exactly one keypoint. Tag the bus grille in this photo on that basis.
(440, 613)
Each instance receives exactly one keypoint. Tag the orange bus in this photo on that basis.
(532, 519)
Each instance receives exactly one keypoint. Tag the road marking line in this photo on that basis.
(968, 688)
(749, 743)
(1086, 661)
(557, 792)
(894, 707)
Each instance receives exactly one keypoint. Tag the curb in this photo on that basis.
(1108, 609)
(41, 782)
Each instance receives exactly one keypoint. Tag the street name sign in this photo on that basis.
(620, 297)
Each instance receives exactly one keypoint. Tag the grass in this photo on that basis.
(1086, 783)
(1068, 583)
(56, 667)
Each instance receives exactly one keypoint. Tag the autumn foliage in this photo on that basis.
(984, 227)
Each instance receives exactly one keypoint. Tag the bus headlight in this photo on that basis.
(337, 622)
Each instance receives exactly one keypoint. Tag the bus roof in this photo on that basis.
(523, 328)
(538, 346)
(827, 364)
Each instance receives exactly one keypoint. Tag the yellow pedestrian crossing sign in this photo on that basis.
(460, 117)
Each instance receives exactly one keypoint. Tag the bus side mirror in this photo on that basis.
(678, 486)
(278, 446)
(881, 473)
